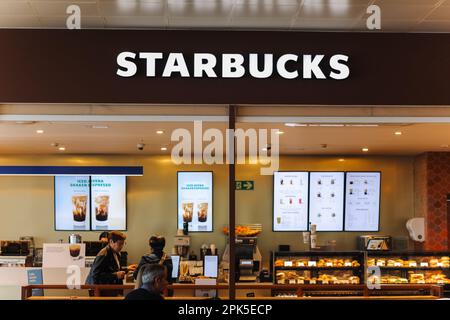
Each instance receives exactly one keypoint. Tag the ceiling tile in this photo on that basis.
(323, 24)
(407, 2)
(261, 10)
(330, 10)
(433, 26)
(440, 13)
(277, 23)
(58, 8)
(135, 22)
(187, 22)
(405, 12)
(19, 22)
(337, 2)
(201, 9)
(268, 2)
(131, 8)
(60, 22)
(16, 8)
(388, 25)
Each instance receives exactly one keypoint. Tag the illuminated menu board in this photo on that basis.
(195, 195)
(290, 204)
(362, 204)
(326, 200)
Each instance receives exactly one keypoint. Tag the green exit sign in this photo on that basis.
(245, 185)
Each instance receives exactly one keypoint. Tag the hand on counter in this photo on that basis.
(120, 274)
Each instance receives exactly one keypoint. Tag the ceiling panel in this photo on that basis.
(131, 8)
(59, 8)
(135, 22)
(332, 15)
(15, 8)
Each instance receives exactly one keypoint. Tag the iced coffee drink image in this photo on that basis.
(202, 211)
(188, 209)
(79, 204)
(101, 207)
(74, 250)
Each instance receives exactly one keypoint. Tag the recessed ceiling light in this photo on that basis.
(290, 124)
(62, 148)
(40, 131)
(163, 148)
(398, 133)
(159, 132)
(361, 125)
(331, 125)
(99, 126)
(365, 149)
(341, 160)
(280, 132)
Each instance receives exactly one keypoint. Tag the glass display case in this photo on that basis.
(408, 267)
(314, 267)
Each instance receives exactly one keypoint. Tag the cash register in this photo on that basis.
(247, 259)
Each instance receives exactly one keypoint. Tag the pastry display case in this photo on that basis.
(408, 268)
(314, 267)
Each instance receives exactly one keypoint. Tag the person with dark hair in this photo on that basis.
(106, 266)
(154, 282)
(103, 237)
(156, 256)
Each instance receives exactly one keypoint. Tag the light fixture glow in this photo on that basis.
(398, 133)
(62, 148)
(163, 148)
(159, 132)
(39, 131)
(365, 149)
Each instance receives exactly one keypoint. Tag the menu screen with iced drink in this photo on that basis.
(326, 200)
(290, 201)
(108, 203)
(195, 192)
(72, 203)
(362, 201)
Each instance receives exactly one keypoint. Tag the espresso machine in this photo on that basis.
(181, 246)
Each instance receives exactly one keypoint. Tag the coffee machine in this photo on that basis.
(181, 246)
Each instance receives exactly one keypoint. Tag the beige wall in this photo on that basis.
(27, 202)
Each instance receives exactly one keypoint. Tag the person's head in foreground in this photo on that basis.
(116, 240)
(154, 278)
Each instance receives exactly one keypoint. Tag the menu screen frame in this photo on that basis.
(89, 213)
(211, 173)
(343, 200)
(379, 201)
(273, 202)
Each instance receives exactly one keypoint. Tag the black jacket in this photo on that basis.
(143, 294)
(104, 268)
(154, 258)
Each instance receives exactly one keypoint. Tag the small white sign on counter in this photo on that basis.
(62, 255)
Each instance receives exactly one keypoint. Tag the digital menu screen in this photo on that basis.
(72, 201)
(90, 203)
(108, 203)
(326, 204)
(290, 201)
(195, 192)
(362, 201)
